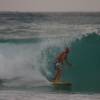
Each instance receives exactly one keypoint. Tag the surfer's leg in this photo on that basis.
(58, 74)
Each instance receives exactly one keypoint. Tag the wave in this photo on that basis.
(20, 40)
(33, 63)
(84, 56)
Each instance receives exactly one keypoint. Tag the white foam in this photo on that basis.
(19, 65)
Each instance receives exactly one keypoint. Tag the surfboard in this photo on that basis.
(61, 85)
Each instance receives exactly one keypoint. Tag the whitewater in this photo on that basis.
(29, 45)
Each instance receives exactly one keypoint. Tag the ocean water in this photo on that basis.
(29, 44)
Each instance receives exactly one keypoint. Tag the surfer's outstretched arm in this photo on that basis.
(68, 63)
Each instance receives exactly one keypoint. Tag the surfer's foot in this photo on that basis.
(55, 80)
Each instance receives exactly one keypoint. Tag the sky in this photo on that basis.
(50, 5)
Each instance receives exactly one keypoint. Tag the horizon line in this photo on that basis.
(52, 11)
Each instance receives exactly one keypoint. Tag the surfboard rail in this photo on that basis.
(61, 84)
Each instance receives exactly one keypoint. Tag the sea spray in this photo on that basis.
(20, 62)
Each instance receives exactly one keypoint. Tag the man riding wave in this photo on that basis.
(59, 63)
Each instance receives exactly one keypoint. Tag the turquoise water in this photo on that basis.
(85, 71)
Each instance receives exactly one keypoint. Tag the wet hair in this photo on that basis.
(67, 50)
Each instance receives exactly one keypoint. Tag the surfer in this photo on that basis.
(59, 62)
